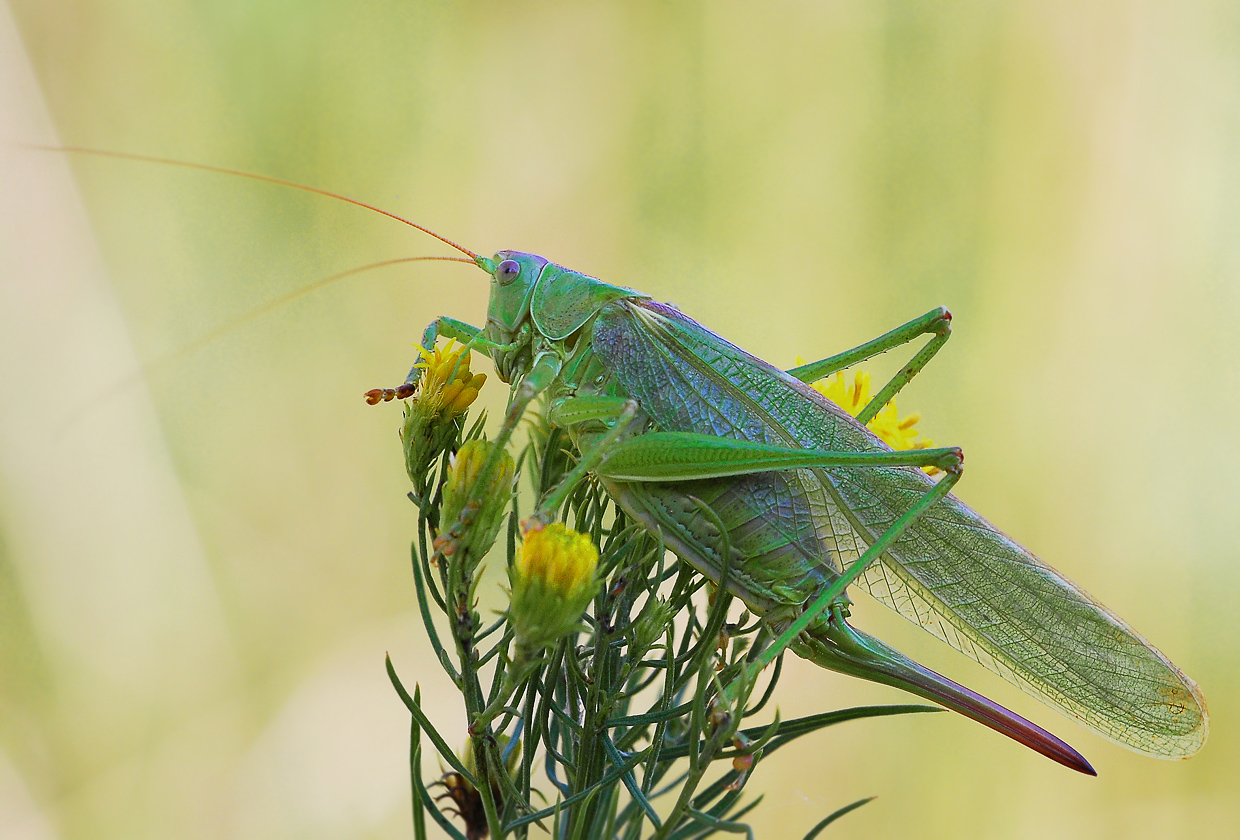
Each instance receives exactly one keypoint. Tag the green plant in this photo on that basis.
(607, 721)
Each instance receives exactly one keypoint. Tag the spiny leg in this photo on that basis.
(690, 456)
(876, 549)
(937, 322)
(467, 334)
(452, 328)
(619, 410)
(543, 373)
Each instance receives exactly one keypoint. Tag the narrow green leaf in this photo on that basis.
(696, 832)
(717, 787)
(424, 609)
(609, 779)
(770, 689)
(629, 782)
(416, 710)
(826, 821)
(756, 746)
(803, 726)
(415, 768)
(722, 825)
(649, 717)
(790, 730)
(564, 717)
(579, 831)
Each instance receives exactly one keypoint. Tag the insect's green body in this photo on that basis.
(669, 416)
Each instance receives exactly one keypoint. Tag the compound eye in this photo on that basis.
(507, 271)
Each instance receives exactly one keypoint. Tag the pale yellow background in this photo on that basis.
(199, 575)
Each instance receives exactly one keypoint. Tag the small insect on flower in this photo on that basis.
(899, 433)
(553, 579)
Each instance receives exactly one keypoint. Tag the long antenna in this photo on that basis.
(270, 306)
(223, 170)
(147, 368)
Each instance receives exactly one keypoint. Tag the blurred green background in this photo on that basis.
(200, 574)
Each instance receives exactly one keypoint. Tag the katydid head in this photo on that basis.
(533, 297)
(514, 275)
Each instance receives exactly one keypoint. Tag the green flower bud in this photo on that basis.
(650, 627)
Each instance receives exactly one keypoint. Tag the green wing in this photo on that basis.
(953, 573)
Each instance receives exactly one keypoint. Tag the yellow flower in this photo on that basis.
(447, 384)
(444, 390)
(553, 579)
(563, 559)
(899, 433)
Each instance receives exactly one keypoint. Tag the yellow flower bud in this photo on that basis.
(475, 528)
(467, 394)
(553, 579)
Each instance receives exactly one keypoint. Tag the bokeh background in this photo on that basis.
(200, 571)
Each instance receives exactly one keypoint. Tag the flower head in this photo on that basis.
(473, 524)
(447, 384)
(446, 388)
(900, 433)
(553, 579)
